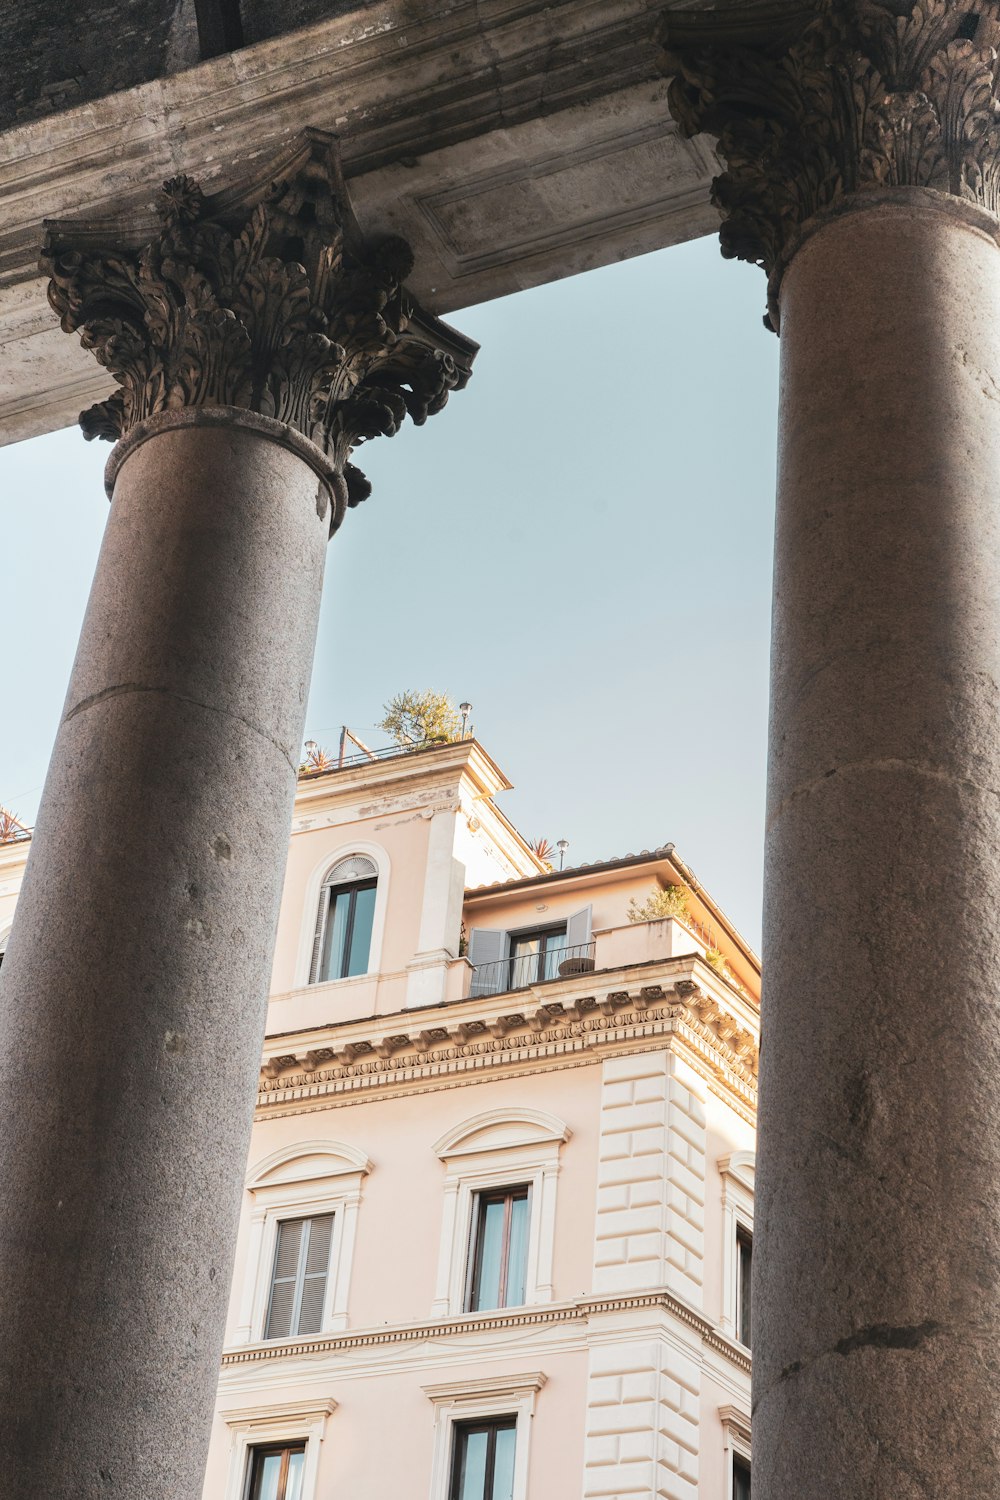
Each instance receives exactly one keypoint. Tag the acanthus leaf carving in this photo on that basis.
(266, 299)
(811, 105)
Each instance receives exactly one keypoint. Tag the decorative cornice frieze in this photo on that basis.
(555, 1033)
(265, 298)
(475, 1325)
(812, 104)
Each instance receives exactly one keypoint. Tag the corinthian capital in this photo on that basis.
(814, 103)
(266, 298)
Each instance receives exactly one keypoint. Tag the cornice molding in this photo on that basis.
(554, 1029)
(817, 107)
(265, 298)
(474, 1325)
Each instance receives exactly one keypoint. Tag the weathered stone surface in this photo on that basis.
(507, 145)
(143, 943)
(812, 105)
(877, 1227)
(268, 299)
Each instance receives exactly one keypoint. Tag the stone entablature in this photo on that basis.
(678, 1003)
(567, 1321)
(446, 115)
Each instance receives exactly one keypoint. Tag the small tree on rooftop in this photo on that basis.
(670, 901)
(421, 719)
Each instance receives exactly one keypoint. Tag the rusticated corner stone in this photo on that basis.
(265, 298)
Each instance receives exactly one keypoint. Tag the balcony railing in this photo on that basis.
(516, 973)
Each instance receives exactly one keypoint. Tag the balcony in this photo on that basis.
(524, 969)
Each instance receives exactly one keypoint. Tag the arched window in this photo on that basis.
(344, 921)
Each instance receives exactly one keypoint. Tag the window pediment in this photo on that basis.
(307, 1161)
(741, 1167)
(501, 1130)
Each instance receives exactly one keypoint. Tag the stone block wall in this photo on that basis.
(650, 1227)
(642, 1422)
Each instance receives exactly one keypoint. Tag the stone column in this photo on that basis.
(256, 339)
(862, 153)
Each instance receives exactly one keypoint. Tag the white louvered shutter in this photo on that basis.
(315, 1269)
(487, 945)
(578, 928)
(281, 1308)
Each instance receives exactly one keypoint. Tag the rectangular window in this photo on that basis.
(535, 956)
(744, 1262)
(499, 1259)
(276, 1473)
(298, 1284)
(482, 1466)
(741, 1478)
(348, 936)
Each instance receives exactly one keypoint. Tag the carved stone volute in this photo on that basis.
(265, 298)
(814, 104)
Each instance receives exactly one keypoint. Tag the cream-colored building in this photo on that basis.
(496, 1232)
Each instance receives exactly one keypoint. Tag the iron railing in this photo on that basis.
(517, 973)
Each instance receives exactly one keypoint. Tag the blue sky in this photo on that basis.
(580, 545)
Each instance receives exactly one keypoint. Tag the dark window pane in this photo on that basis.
(276, 1473)
(347, 938)
(744, 1265)
(555, 949)
(296, 1469)
(517, 1259)
(503, 1468)
(483, 1460)
(270, 1477)
(361, 935)
(741, 1479)
(499, 1249)
(536, 955)
(335, 939)
(472, 1474)
(486, 1292)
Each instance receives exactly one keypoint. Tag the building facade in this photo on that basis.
(496, 1229)
(498, 1211)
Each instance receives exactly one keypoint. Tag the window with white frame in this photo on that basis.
(498, 1225)
(344, 921)
(275, 1450)
(276, 1472)
(736, 1442)
(482, 1461)
(737, 1172)
(303, 1213)
(300, 1275)
(482, 1430)
(504, 960)
(498, 1251)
